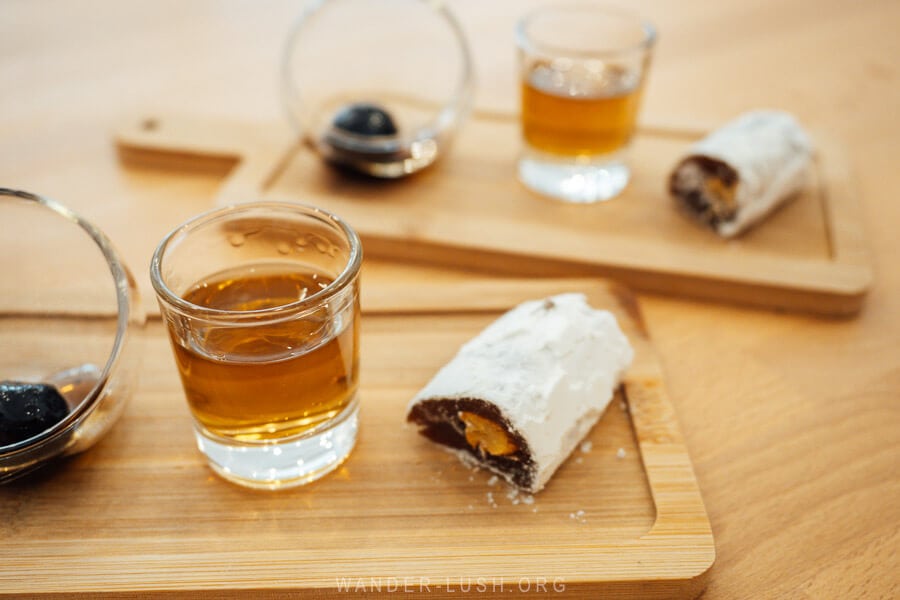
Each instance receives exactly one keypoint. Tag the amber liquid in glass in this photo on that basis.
(577, 111)
(258, 382)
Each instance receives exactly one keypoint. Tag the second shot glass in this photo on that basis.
(582, 70)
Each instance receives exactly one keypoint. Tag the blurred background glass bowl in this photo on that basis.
(419, 81)
(71, 317)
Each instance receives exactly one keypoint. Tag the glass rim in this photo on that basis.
(126, 294)
(525, 42)
(260, 316)
(452, 112)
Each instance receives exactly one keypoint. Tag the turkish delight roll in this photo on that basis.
(518, 397)
(743, 171)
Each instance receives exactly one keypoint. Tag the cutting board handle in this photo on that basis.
(257, 152)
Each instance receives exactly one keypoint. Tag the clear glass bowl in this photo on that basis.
(71, 317)
(346, 60)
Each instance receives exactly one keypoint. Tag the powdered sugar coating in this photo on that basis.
(772, 156)
(550, 367)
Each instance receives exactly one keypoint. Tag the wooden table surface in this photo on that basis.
(793, 422)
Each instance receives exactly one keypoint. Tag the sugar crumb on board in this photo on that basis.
(513, 494)
(578, 516)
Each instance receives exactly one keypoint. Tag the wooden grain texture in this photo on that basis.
(792, 422)
(399, 510)
(470, 211)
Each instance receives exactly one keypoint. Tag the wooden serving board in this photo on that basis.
(469, 210)
(141, 515)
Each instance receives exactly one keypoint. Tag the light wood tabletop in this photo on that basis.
(792, 421)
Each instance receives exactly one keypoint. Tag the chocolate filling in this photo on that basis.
(439, 421)
(705, 187)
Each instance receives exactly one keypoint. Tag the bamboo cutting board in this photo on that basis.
(470, 211)
(141, 514)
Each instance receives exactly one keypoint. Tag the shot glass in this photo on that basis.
(582, 71)
(261, 303)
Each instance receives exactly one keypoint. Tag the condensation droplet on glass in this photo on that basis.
(283, 248)
(322, 246)
(302, 242)
(237, 239)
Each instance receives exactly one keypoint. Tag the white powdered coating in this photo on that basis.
(772, 155)
(550, 366)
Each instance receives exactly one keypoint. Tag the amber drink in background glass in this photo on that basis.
(583, 68)
(261, 302)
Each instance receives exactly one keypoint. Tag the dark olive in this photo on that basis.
(27, 409)
(365, 119)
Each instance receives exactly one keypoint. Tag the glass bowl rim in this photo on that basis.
(452, 111)
(126, 293)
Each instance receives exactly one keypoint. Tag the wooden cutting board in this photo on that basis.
(469, 210)
(141, 515)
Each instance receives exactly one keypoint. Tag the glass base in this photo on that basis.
(571, 181)
(286, 463)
